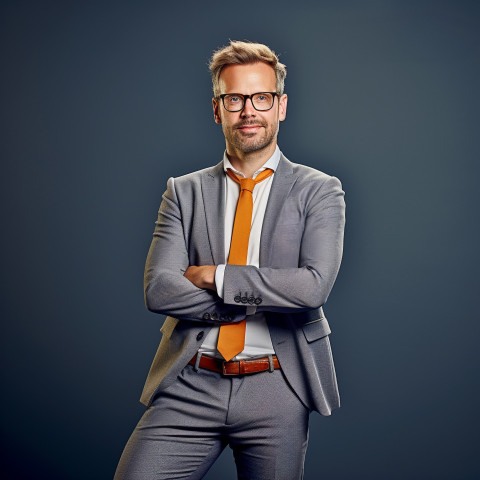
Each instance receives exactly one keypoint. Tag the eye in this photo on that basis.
(234, 99)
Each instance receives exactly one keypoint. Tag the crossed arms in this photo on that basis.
(173, 287)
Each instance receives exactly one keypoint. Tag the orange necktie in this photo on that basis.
(231, 336)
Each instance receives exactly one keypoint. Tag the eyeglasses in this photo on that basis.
(261, 101)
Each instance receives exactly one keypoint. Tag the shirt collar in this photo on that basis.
(272, 163)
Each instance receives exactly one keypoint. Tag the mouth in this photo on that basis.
(249, 128)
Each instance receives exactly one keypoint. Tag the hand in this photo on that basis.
(202, 277)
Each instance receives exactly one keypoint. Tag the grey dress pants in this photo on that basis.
(187, 426)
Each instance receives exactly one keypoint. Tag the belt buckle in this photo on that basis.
(228, 374)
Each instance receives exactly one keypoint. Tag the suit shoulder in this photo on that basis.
(307, 175)
(195, 177)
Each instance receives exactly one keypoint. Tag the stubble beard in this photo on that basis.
(251, 142)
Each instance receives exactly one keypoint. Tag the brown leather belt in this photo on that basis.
(240, 367)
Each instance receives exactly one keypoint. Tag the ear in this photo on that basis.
(282, 107)
(216, 113)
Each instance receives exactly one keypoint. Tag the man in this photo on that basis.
(243, 257)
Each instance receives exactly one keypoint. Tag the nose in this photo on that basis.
(248, 110)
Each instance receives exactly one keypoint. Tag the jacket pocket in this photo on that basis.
(316, 329)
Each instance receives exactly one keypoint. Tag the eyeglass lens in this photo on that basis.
(260, 101)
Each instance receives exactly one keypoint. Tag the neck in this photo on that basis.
(249, 162)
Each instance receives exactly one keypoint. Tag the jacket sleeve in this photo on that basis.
(308, 286)
(166, 289)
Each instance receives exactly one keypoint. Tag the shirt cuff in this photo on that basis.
(219, 273)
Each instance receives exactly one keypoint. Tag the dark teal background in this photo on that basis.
(103, 101)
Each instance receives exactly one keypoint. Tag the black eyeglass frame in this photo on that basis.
(245, 98)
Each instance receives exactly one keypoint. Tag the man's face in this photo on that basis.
(249, 130)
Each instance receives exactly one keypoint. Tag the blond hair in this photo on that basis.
(245, 52)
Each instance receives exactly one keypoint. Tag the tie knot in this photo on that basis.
(247, 184)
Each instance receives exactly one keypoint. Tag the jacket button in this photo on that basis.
(200, 336)
(244, 300)
(251, 300)
(237, 299)
(258, 301)
(214, 316)
(206, 316)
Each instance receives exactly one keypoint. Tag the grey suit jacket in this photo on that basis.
(300, 253)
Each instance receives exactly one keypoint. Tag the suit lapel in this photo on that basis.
(213, 192)
(282, 183)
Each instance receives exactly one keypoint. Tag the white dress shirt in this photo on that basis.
(257, 336)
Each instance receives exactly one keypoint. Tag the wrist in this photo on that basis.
(209, 278)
